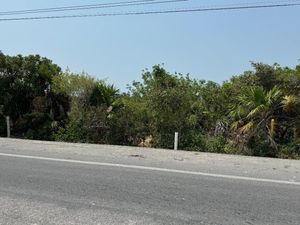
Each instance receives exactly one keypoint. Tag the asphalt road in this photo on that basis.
(51, 183)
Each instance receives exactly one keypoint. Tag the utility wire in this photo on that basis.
(93, 6)
(125, 3)
(201, 9)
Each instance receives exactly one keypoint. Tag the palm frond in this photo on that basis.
(273, 95)
(258, 96)
(237, 111)
(256, 111)
(290, 103)
(235, 125)
(247, 127)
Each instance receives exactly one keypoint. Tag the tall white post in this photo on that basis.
(176, 141)
(8, 126)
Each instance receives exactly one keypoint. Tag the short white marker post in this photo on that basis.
(176, 141)
(8, 126)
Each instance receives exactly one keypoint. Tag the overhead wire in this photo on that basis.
(123, 4)
(166, 11)
(91, 6)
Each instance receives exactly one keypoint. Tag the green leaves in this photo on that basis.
(26, 95)
(103, 94)
(261, 107)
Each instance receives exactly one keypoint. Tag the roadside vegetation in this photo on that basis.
(256, 113)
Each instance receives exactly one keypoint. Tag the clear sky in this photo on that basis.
(208, 45)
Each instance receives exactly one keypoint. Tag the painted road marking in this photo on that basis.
(152, 169)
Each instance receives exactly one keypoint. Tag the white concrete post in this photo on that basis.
(8, 126)
(176, 141)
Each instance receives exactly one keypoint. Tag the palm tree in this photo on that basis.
(254, 113)
(103, 94)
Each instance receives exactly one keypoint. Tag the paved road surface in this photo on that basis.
(45, 183)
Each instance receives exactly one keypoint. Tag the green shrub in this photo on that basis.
(261, 147)
(216, 144)
(290, 151)
(231, 149)
(73, 132)
(196, 142)
(41, 132)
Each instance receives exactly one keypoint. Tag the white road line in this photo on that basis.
(152, 169)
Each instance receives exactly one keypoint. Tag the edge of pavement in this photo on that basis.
(231, 165)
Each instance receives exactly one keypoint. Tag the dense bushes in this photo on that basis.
(256, 113)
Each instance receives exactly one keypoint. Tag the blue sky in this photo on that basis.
(208, 45)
